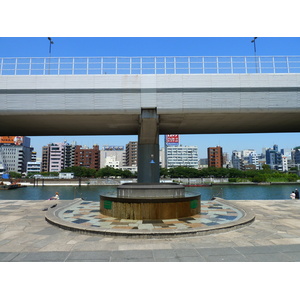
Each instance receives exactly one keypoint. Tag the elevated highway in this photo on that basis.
(185, 103)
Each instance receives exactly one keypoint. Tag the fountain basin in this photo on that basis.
(150, 202)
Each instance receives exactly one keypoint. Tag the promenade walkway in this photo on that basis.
(274, 236)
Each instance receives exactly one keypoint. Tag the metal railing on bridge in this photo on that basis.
(149, 65)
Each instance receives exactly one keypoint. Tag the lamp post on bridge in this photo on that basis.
(253, 41)
(51, 43)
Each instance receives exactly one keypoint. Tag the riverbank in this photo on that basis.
(116, 182)
(72, 182)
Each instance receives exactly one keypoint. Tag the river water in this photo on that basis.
(91, 193)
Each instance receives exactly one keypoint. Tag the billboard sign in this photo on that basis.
(12, 140)
(172, 139)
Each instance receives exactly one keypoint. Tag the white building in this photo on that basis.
(34, 167)
(237, 160)
(111, 161)
(184, 156)
(112, 155)
(253, 159)
(15, 153)
(285, 165)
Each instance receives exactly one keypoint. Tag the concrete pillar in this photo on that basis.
(148, 147)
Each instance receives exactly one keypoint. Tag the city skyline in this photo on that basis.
(204, 142)
(175, 154)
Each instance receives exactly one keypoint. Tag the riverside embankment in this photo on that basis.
(80, 181)
(117, 181)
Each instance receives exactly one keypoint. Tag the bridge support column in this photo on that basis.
(148, 147)
(148, 199)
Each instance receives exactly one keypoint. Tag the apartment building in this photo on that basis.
(215, 157)
(89, 158)
(131, 154)
(56, 157)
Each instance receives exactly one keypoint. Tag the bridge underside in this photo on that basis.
(92, 124)
(185, 104)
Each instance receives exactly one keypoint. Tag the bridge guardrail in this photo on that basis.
(149, 65)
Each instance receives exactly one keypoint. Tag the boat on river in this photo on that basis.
(11, 186)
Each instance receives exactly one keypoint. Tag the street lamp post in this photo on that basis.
(51, 43)
(253, 41)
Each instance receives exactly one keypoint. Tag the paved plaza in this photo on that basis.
(274, 236)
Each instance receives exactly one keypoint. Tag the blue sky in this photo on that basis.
(147, 46)
(160, 46)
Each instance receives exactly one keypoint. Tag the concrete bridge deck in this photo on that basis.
(185, 103)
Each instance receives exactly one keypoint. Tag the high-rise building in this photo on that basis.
(132, 154)
(215, 157)
(253, 159)
(89, 158)
(181, 156)
(53, 157)
(15, 152)
(69, 155)
(237, 160)
(274, 158)
(56, 157)
(45, 159)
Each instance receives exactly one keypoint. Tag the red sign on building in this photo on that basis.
(12, 140)
(172, 139)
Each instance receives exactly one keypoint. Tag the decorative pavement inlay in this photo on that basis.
(85, 216)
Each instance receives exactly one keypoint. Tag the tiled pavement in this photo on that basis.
(273, 236)
(85, 216)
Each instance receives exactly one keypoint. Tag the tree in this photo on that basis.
(80, 171)
(15, 175)
(164, 172)
(266, 168)
(127, 174)
(259, 178)
(106, 172)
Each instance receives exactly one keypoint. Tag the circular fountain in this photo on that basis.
(150, 202)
